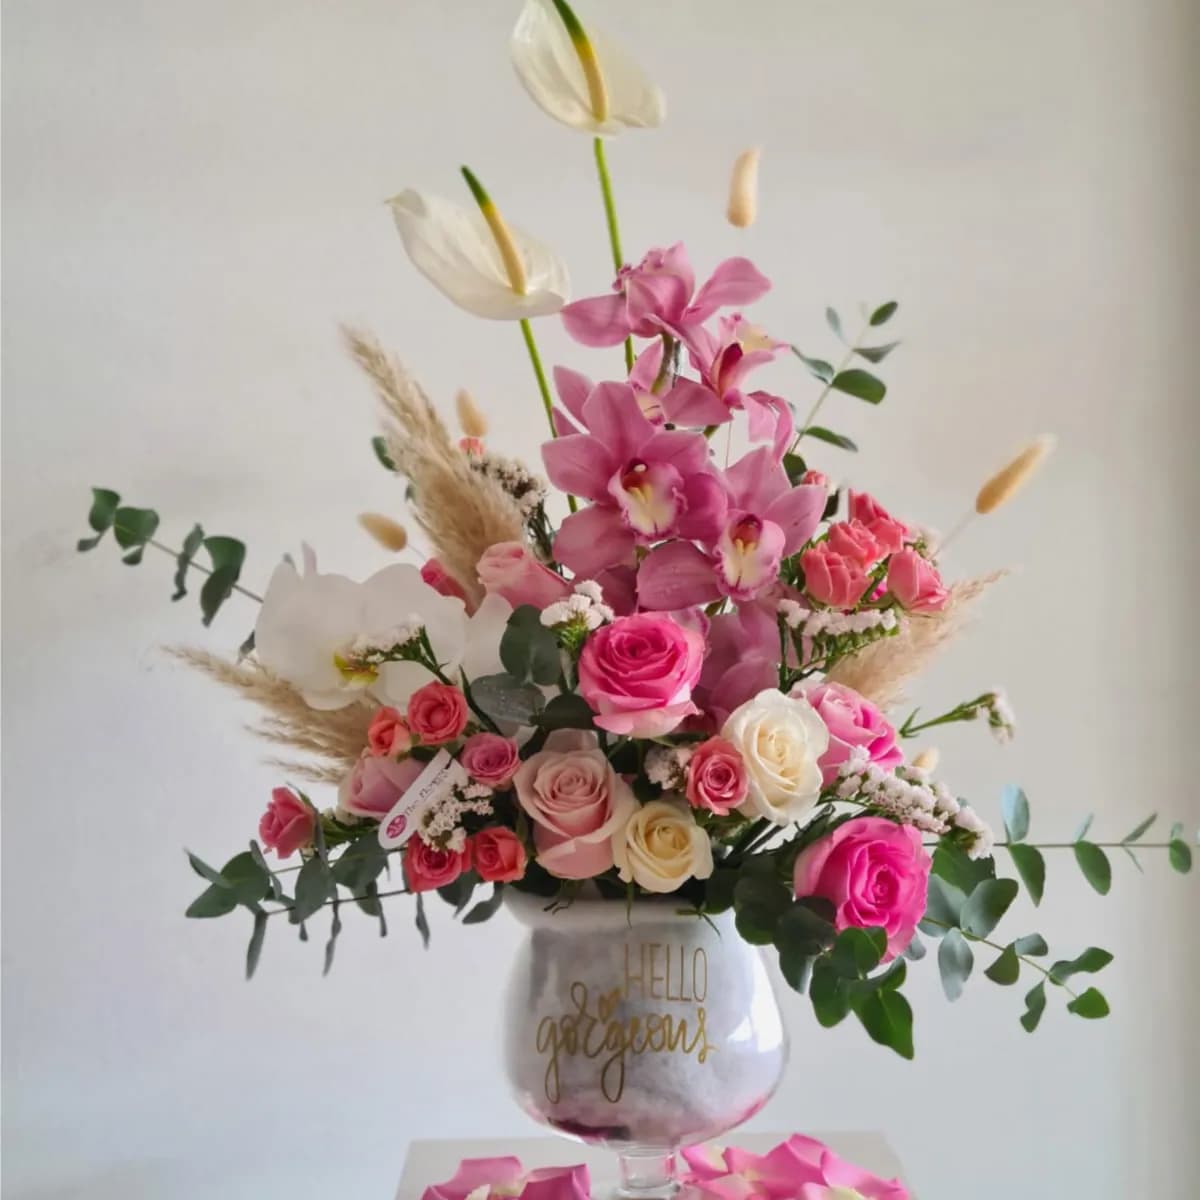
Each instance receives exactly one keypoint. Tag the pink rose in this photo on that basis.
(388, 734)
(288, 823)
(875, 872)
(498, 855)
(915, 583)
(577, 803)
(716, 777)
(375, 784)
(886, 530)
(853, 540)
(490, 759)
(851, 721)
(816, 477)
(472, 447)
(437, 713)
(832, 578)
(510, 570)
(637, 674)
(442, 581)
(427, 868)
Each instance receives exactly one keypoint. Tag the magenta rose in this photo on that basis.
(388, 734)
(853, 540)
(915, 583)
(874, 872)
(716, 777)
(832, 578)
(577, 803)
(427, 868)
(490, 759)
(442, 581)
(288, 823)
(889, 533)
(376, 783)
(498, 855)
(637, 674)
(437, 713)
(851, 721)
(509, 569)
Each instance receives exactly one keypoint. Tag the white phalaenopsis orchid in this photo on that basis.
(581, 78)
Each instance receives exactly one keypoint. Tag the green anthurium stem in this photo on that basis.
(614, 229)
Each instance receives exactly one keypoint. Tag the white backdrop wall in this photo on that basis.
(193, 203)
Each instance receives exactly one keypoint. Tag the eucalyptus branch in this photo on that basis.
(816, 408)
(192, 565)
(1037, 966)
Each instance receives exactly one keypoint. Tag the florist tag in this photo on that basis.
(435, 783)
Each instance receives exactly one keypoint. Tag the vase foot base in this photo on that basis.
(646, 1175)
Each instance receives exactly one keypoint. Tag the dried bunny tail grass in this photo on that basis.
(1013, 476)
(389, 534)
(743, 189)
(463, 512)
(881, 670)
(470, 417)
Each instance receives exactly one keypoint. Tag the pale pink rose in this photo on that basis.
(874, 872)
(816, 477)
(437, 713)
(490, 759)
(853, 540)
(832, 578)
(887, 531)
(427, 868)
(716, 777)
(637, 674)
(442, 581)
(288, 823)
(577, 803)
(510, 570)
(915, 583)
(375, 784)
(388, 734)
(498, 855)
(851, 721)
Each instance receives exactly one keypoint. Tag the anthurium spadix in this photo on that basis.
(476, 259)
(580, 77)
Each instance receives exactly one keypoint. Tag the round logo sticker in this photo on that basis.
(396, 826)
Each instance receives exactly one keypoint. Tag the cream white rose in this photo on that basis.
(780, 739)
(662, 847)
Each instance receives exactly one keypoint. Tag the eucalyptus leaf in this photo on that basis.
(987, 904)
(133, 528)
(1032, 944)
(458, 893)
(1179, 853)
(205, 871)
(955, 960)
(568, 710)
(246, 878)
(1031, 867)
(528, 650)
(759, 901)
(379, 446)
(486, 909)
(1035, 1005)
(861, 384)
(1141, 829)
(422, 922)
(884, 313)
(1090, 1004)
(1006, 969)
(254, 948)
(187, 552)
(1094, 864)
(887, 1017)
(823, 370)
(272, 879)
(857, 952)
(1015, 805)
(507, 700)
(227, 556)
(1085, 825)
(827, 435)
(100, 517)
(214, 901)
(876, 354)
(314, 884)
(829, 994)
(1093, 959)
(834, 322)
(335, 929)
(944, 903)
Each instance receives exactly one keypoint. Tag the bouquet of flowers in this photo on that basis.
(669, 671)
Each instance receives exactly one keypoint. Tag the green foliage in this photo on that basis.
(486, 909)
(860, 384)
(528, 650)
(1178, 851)
(759, 901)
(1035, 1005)
(1095, 865)
(1006, 969)
(857, 952)
(1032, 944)
(827, 435)
(1089, 962)
(254, 948)
(718, 890)
(1015, 805)
(834, 322)
(829, 994)
(214, 901)
(360, 864)
(884, 313)
(101, 516)
(944, 903)
(314, 886)
(954, 865)
(227, 556)
(422, 922)
(817, 367)
(458, 893)
(568, 710)
(335, 929)
(506, 699)
(1031, 867)
(887, 1017)
(133, 528)
(246, 879)
(191, 544)
(876, 354)
(955, 961)
(987, 904)
(1139, 830)
(1090, 1004)
(379, 447)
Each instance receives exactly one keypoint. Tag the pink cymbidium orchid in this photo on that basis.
(657, 295)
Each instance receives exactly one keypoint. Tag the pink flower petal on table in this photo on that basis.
(735, 281)
(558, 1183)
(676, 575)
(579, 464)
(597, 321)
(475, 1173)
(593, 539)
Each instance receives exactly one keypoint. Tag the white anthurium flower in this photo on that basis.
(581, 78)
(473, 258)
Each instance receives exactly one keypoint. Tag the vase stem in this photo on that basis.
(647, 1174)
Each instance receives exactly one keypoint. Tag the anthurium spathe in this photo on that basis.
(579, 77)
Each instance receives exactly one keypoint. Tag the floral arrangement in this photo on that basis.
(682, 688)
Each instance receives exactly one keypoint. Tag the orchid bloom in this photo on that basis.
(581, 79)
(474, 258)
(656, 296)
(642, 378)
(644, 483)
(765, 520)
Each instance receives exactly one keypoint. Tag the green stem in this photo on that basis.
(967, 711)
(543, 386)
(816, 408)
(274, 912)
(1037, 966)
(614, 229)
(193, 565)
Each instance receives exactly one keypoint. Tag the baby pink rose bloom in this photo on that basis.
(577, 804)
(716, 777)
(498, 855)
(427, 868)
(874, 872)
(490, 759)
(851, 721)
(437, 713)
(832, 578)
(376, 783)
(852, 539)
(388, 734)
(915, 583)
(637, 674)
(816, 477)
(510, 570)
(288, 823)
(442, 581)
(887, 531)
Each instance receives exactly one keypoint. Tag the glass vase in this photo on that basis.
(639, 1027)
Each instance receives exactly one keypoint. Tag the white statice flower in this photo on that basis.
(583, 611)
(792, 612)
(983, 839)
(442, 825)
(666, 766)
(1002, 720)
(518, 481)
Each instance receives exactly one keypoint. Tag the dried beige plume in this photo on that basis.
(927, 760)
(1009, 480)
(464, 512)
(881, 670)
(391, 535)
(470, 417)
(332, 738)
(743, 189)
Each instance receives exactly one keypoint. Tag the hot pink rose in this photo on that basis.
(442, 581)
(510, 570)
(851, 721)
(427, 868)
(490, 759)
(288, 823)
(498, 855)
(853, 540)
(388, 734)
(637, 674)
(874, 872)
(915, 583)
(376, 783)
(437, 713)
(832, 578)
(576, 802)
(886, 530)
(716, 777)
